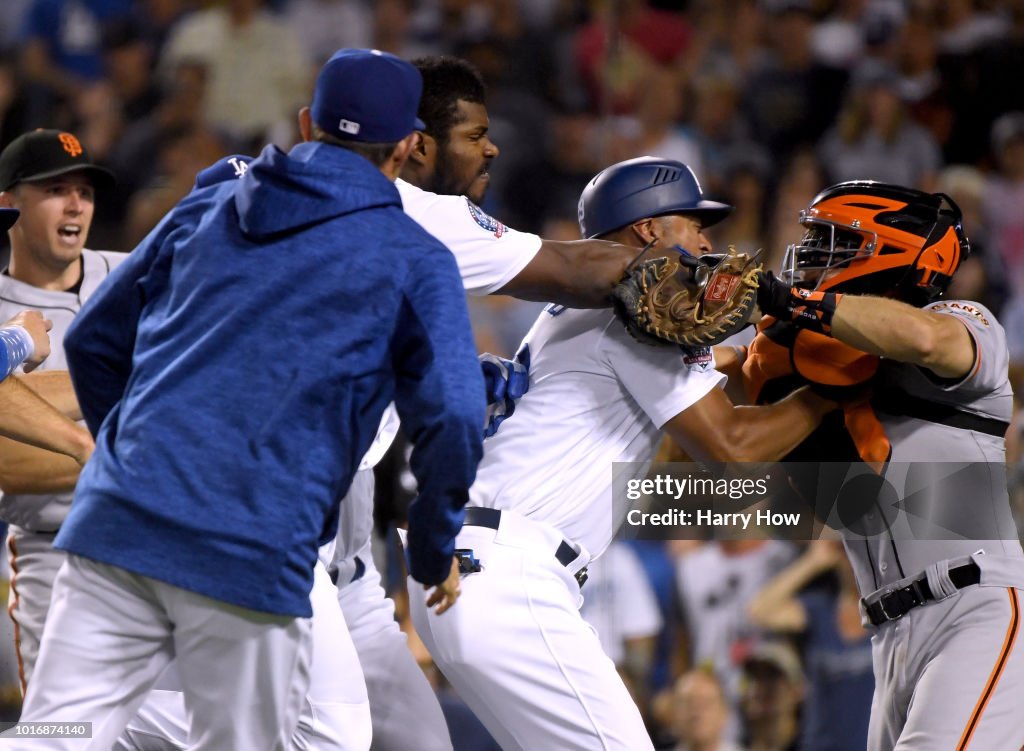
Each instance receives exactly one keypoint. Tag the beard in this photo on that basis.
(446, 181)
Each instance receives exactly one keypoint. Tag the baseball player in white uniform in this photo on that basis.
(453, 160)
(48, 176)
(940, 568)
(520, 654)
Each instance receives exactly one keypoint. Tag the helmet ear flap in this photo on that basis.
(944, 250)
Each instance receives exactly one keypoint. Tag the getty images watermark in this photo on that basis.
(796, 500)
(689, 487)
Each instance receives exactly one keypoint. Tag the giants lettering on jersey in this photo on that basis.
(961, 307)
(487, 222)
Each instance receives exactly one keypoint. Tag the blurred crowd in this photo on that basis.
(767, 100)
(746, 644)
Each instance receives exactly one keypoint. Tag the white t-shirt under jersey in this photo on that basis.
(596, 397)
(488, 253)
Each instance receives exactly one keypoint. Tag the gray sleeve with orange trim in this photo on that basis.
(991, 353)
(986, 389)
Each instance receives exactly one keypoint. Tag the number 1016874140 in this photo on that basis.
(46, 730)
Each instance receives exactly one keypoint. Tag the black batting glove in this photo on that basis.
(803, 308)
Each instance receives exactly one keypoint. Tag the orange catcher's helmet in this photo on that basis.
(867, 237)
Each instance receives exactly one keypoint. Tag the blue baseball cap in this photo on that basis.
(7, 218)
(367, 95)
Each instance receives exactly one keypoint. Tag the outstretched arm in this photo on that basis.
(55, 387)
(890, 328)
(876, 325)
(713, 429)
(25, 468)
(776, 606)
(577, 274)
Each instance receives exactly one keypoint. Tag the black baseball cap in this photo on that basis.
(41, 154)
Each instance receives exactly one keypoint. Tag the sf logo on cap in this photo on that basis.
(70, 144)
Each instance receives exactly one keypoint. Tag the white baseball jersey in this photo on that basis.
(515, 646)
(596, 397)
(488, 253)
(46, 512)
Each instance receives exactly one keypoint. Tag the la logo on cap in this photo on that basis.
(347, 126)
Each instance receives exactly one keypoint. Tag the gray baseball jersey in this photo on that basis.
(35, 518)
(949, 673)
(938, 468)
(44, 513)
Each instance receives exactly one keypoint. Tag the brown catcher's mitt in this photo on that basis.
(688, 300)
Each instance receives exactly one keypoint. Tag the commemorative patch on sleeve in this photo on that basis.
(489, 223)
(698, 358)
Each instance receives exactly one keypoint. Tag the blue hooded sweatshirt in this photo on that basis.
(234, 370)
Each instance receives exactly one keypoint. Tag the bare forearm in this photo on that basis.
(729, 360)
(27, 469)
(714, 430)
(901, 332)
(768, 433)
(26, 417)
(577, 274)
(55, 387)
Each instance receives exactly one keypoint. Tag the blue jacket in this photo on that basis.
(234, 370)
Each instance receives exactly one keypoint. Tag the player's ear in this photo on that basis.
(424, 149)
(645, 230)
(403, 149)
(406, 147)
(7, 200)
(305, 124)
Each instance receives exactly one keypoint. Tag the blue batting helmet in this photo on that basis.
(642, 188)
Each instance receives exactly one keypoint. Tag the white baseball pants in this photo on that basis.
(517, 651)
(110, 635)
(335, 712)
(406, 714)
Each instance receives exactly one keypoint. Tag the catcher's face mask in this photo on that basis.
(825, 249)
(868, 237)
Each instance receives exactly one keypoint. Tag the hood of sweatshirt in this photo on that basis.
(310, 184)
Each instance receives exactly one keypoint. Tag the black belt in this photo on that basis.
(896, 604)
(477, 516)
